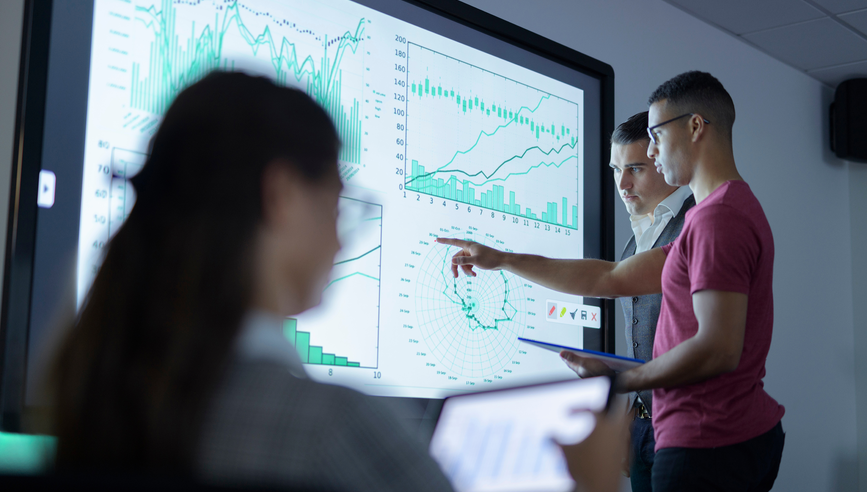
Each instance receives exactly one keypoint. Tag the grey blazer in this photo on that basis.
(642, 312)
(267, 427)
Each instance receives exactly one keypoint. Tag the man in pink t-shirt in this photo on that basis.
(716, 427)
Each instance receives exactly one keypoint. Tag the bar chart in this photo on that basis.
(311, 354)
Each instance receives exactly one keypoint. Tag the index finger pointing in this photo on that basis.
(460, 243)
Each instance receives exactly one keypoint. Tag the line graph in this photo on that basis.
(480, 138)
(346, 323)
(182, 52)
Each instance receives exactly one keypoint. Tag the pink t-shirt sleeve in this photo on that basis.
(723, 249)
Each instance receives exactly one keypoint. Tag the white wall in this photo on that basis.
(780, 147)
(858, 213)
(11, 21)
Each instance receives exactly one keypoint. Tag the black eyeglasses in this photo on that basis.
(651, 128)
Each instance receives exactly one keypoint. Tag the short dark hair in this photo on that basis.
(699, 92)
(632, 130)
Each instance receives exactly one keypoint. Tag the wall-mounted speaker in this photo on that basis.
(849, 121)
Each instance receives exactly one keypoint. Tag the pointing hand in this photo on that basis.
(472, 254)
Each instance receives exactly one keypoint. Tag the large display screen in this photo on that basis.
(447, 132)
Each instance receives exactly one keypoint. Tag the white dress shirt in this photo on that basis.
(647, 228)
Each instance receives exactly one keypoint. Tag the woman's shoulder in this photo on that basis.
(266, 425)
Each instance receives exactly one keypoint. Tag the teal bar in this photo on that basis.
(315, 355)
(511, 202)
(353, 364)
(484, 202)
(499, 111)
(452, 92)
(477, 101)
(465, 105)
(328, 359)
(439, 91)
(413, 87)
(289, 326)
(544, 217)
(574, 216)
(302, 344)
(537, 132)
(479, 202)
(426, 86)
(565, 211)
(26, 454)
(340, 361)
(517, 210)
(415, 172)
(453, 181)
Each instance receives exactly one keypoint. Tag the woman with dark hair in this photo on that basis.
(177, 363)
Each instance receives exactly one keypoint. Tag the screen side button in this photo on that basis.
(47, 182)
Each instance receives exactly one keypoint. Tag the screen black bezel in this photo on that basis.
(27, 162)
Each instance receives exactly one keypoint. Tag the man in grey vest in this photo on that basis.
(657, 213)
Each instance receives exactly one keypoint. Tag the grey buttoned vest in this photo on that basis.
(642, 312)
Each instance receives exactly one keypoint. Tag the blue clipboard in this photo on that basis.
(615, 362)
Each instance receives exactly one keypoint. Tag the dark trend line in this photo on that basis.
(466, 309)
(488, 176)
(358, 257)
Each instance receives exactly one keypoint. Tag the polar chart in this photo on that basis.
(470, 324)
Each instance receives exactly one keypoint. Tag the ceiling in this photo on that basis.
(827, 39)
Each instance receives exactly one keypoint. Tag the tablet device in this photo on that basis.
(615, 362)
(501, 441)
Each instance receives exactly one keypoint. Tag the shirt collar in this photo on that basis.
(672, 204)
(261, 338)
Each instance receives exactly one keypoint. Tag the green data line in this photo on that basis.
(348, 276)
(358, 257)
(174, 64)
(469, 306)
(488, 176)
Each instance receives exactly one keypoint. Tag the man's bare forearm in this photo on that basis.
(577, 277)
(693, 361)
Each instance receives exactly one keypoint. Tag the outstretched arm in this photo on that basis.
(638, 275)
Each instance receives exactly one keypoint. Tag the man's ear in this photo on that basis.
(697, 127)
